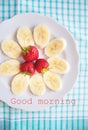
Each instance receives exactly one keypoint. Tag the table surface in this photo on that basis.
(72, 14)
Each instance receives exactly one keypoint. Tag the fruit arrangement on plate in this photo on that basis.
(34, 72)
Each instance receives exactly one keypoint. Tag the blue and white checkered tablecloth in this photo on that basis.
(73, 14)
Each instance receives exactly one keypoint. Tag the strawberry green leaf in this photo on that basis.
(26, 73)
(44, 70)
(25, 50)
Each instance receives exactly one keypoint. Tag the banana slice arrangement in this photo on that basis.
(20, 84)
(10, 67)
(58, 65)
(38, 82)
(41, 35)
(24, 37)
(55, 47)
(52, 81)
(11, 48)
(37, 85)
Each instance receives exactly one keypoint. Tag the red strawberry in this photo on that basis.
(30, 53)
(28, 67)
(41, 65)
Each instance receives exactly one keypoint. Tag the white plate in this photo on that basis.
(8, 30)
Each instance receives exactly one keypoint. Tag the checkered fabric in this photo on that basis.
(72, 14)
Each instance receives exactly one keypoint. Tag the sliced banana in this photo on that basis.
(37, 85)
(58, 65)
(10, 67)
(24, 36)
(55, 47)
(41, 35)
(11, 48)
(52, 81)
(20, 84)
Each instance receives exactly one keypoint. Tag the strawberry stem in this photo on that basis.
(44, 70)
(25, 50)
(26, 73)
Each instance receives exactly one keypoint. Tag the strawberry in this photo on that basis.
(27, 68)
(41, 65)
(30, 53)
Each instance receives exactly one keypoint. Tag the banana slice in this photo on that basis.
(25, 37)
(58, 65)
(10, 67)
(20, 84)
(37, 85)
(41, 35)
(11, 48)
(55, 47)
(52, 81)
